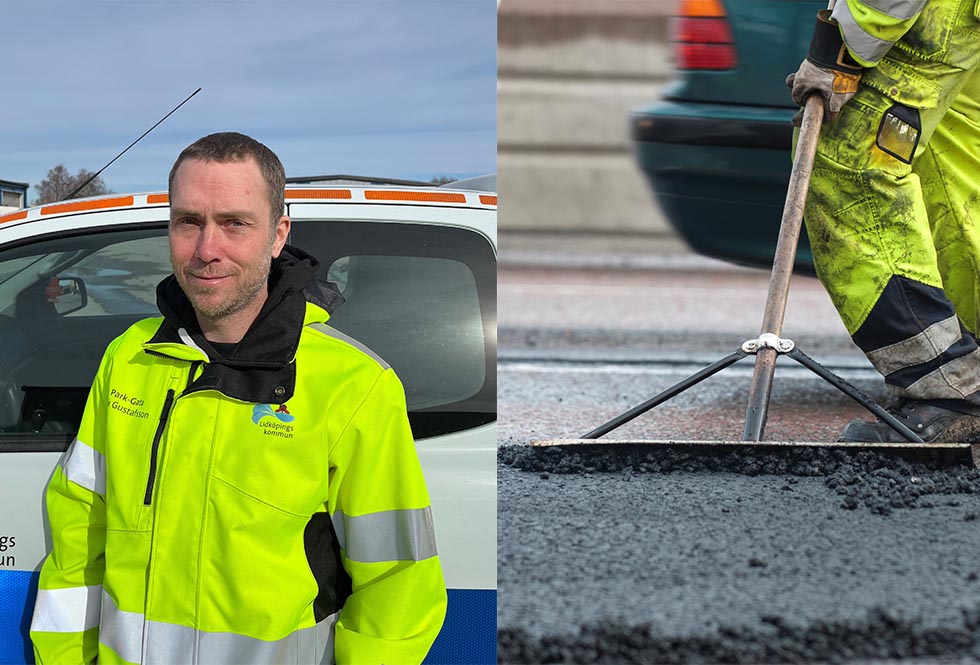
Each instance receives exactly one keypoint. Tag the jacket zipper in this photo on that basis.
(155, 448)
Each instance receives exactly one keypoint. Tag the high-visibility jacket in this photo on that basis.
(871, 27)
(263, 508)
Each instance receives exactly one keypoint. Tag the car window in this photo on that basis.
(422, 297)
(14, 266)
(384, 292)
(122, 277)
(62, 301)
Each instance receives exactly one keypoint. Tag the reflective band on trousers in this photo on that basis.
(168, 643)
(391, 535)
(69, 610)
(861, 43)
(85, 466)
(955, 379)
(916, 350)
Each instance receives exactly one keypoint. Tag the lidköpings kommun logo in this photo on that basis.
(261, 411)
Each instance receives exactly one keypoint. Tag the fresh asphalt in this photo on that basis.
(695, 565)
(679, 556)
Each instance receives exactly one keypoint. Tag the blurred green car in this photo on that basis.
(716, 149)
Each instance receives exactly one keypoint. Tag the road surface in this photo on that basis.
(673, 556)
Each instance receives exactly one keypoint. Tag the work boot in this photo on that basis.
(947, 421)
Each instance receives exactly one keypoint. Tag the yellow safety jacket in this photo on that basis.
(871, 27)
(267, 507)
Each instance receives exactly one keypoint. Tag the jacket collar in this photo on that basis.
(261, 368)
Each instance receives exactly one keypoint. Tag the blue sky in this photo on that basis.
(403, 89)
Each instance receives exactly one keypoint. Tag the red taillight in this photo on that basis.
(702, 36)
(702, 30)
(705, 56)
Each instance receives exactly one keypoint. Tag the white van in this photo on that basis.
(417, 267)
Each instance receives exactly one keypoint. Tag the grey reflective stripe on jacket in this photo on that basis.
(85, 466)
(68, 610)
(390, 535)
(136, 640)
(900, 9)
(336, 334)
(859, 40)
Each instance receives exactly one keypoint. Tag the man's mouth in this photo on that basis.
(208, 279)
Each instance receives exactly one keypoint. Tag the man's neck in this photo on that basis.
(232, 328)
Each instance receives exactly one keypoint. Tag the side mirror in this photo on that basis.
(66, 294)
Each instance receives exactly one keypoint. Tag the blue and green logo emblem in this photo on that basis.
(265, 410)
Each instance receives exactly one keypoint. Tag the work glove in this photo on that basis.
(828, 70)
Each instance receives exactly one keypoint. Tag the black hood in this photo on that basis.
(260, 367)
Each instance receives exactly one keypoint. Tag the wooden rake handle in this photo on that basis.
(782, 267)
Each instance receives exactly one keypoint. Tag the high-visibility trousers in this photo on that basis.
(893, 212)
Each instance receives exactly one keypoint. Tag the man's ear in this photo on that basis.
(281, 234)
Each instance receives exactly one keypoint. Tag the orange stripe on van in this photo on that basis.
(488, 200)
(13, 217)
(318, 194)
(118, 202)
(428, 197)
(158, 198)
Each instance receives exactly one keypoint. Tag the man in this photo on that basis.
(893, 214)
(244, 487)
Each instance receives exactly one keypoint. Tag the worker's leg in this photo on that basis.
(949, 171)
(867, 219)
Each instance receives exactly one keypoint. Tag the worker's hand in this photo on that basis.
(829, 70)
(836, 88)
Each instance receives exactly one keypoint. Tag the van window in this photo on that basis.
(422, 297)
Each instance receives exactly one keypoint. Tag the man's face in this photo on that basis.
(222, 239)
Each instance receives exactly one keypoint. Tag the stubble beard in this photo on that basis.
(202, 298)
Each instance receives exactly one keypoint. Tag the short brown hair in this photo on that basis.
(225, 147)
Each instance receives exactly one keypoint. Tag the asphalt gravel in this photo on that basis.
(677, 556)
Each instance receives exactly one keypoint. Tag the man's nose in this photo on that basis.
(208, 243)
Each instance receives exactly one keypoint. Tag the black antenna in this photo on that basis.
(96, 175)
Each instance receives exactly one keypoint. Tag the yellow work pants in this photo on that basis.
(896, 244)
